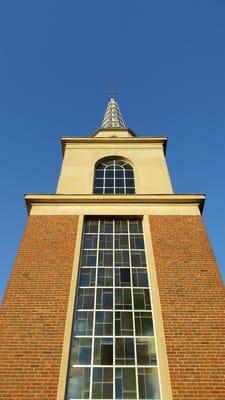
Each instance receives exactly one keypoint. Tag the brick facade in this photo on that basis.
(34, 309)
(192, 299)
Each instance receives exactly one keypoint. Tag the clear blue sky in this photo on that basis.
(58, 58)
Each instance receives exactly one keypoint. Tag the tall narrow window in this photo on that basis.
(112, 354)
(114, 176)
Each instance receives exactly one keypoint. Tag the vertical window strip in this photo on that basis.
(96, 372)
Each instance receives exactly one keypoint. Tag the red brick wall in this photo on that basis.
(192, 298)
(34, 309)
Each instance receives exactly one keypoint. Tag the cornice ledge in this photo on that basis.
(144, 139)
(176, 199)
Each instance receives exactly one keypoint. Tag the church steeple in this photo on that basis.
(113, 117)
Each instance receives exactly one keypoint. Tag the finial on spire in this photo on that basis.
(113, 117)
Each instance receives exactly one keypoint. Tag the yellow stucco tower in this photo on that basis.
(115, 293)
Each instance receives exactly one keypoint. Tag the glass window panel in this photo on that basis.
(88, 258)
(87, 277)
(106, 226)
(124, 351)
(104, 298)
(121, 242)
(109, 173)
(135, 226)
(91, 226)
(85, 298)
(90, 241)
(119, 190)
(119, 173)
(130, 190)
(100, 166)
(122, 258)
(105, 258)
(146, 354)
(121, 226)
(99, 173)
(83, 323)
(125, 383)
(103, 351)
(128, 166)
(109, 183)
(105, 241)
(119, 183)
(141, 299)
(78, 383)
(98, 190)
(109, 190)
(137, 242)
(143, 324)
(148, 383)
(81, 351)
(140, 277)
(102, 387)
(122, 277)
(104, 323)
(123, 299)
(130, 182)
(98, 183)
(138, 258)
(105, 277)
(129, 173)
(123, 323)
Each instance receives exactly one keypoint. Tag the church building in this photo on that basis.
(115, 292)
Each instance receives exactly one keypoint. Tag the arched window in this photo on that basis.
(114, 176)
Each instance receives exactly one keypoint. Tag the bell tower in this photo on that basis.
(115, 292)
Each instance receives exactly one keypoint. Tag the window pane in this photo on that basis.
(105, 277)
(109, 183)
(109, 190)
(135, 226)
(130, 190)
(140, 277)
(87, 277)
(124, 351)
(129, 174)
(122, 277)
(98, 183)
(141, 299)
(137, 242)
(122, 258)
(103, 323)
(148, 383)
(98, 190)
(125, 383)
(106, 226)
(85, 298)
(81, 351)
(109, 173)
(119, 173)
(123, 299)
(103, 351)
(124, 323)
(88, 258)
(78, 383)
(83, 323)
(143, 324)
(121, 242)
(90, 241)
(105, 258)
(119, 183)
(102, 387)
(91, 226)
(104, 299)
(119, 190)
(99, 173)
(146, 354)
(121, 226)
(106, 241)
(138, 258)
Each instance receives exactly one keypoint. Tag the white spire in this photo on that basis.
(113, 117)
